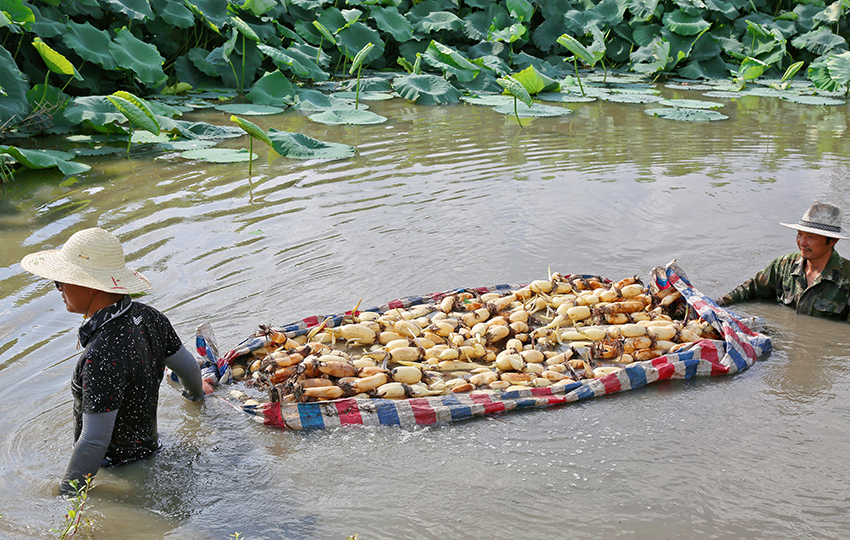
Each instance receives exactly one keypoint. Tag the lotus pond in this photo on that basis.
(436, 198)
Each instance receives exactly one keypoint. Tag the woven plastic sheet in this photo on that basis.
(737, 351)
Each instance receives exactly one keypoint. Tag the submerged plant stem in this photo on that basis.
(575, 64)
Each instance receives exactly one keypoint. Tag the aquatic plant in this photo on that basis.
(74, 517)
(253, 131)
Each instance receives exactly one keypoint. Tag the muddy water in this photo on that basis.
(441, 197)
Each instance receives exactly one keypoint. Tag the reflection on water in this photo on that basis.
(438, 198)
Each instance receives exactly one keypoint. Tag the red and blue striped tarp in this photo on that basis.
(737, 351)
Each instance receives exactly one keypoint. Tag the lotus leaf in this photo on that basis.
(489, 101)
(55, 61)
(139, 57)
(139, 10)
(145, 137)
(690, 104)
(273, 88)
(813, 100)
(97, 110)
(839, 68)
(90, 43)
(366, 96)
(565, 98)
(450, 61)
(355, 37)
(437, 21)
(336, 117)
(516, 89)
(99, 151)
(536, 110)
(819, 42)
(296, 61)
(683, 24)
(535, 82)
(13, 105)
(174, 13)
(687, 115)
(249, 109)
(389, 20)
(367, 84)
(184, 145)
(220, 155)
(203, 130)
(44, 159)
(426, 89)
(300, 146)
(315, 101)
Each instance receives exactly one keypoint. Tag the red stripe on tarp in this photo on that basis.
(490, 406)
(665, 371)
(273, 416)
(749, 351)
(311, 321)
(422, 411)
(611, 383)
(349, 412)
(395, 304)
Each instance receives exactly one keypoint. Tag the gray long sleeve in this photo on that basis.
(89, 450)
(188, 372)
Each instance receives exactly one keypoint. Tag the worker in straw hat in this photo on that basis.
(815, 281)
(127, 345)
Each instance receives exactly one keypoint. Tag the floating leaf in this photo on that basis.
(220, 155)
(535, 110)
(687, 115)
(489, 101)
(45, 159)
(249, 109)
(426, 89)
(336, 117)
(690, 104)
(186, 145)
(300, 146)
(631, 98)
(364, 96)
(813, 100)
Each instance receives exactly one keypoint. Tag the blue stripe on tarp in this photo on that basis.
(584, 392)
(525, 403)
(570, 387)
(690, 367)
(637, 376)
(387, 413)
(311, 416)
(736, 356)
(459, 410)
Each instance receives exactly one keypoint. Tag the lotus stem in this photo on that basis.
(357, 92)
(250, 154)
(516, 113)
(575, 64)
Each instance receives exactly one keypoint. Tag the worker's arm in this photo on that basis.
(184, 365)
(89, 450)
(762, 287)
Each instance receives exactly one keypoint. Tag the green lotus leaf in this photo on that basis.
(536, 82)
(359, 57)
(296, 61)
(367, 84)
(516, 89)
(184, 145)
(146, 137)
(326, 34)
(214, 12)
(55, 61)
(91, 44)
(426, 89)
(14, 105)
(364, 96)
(575, 47)
(259, 7)
(565, 98)
(252, 129)
(137, 101)
(98, 111)
(389, 20)
(273, 88)
(300, 146)
(174, 13)
(687, 115)
(99, 151)
(139, 10)
(355, 37)
(309, 100)
(437, 21)
(134, 114)
(536, 110)
(690, 104)
(219, 155)
(520, 9)
(17, 12)
(839, 67)
(137, 56)
(45, 159)
(819, 42)
(249, 109)
(643, 10)
(683, 24)
(244, 28)
(813, 100)
(450, 61)
(489, 101)
(202, 130)
(336, 117)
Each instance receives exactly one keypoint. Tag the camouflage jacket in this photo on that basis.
(784, 280)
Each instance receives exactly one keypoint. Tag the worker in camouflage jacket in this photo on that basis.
(815, 281)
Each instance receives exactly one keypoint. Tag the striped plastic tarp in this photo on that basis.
(737, 351)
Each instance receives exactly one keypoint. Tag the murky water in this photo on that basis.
(441, 197)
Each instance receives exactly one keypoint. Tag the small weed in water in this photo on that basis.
(74, 517)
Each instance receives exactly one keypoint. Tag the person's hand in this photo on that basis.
(209, 386)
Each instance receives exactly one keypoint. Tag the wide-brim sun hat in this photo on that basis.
(90, 258)
(821, 218)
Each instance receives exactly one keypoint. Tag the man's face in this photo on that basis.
(77, 299)
(813, 246)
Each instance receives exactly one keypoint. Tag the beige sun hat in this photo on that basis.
(91, 258)
(821, 218)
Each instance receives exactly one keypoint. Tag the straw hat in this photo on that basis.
(91, 258)
(821, 218)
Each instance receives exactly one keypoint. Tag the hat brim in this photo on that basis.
(812, 230)
(51, 265)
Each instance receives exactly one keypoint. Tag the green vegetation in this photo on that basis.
(64, 64)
